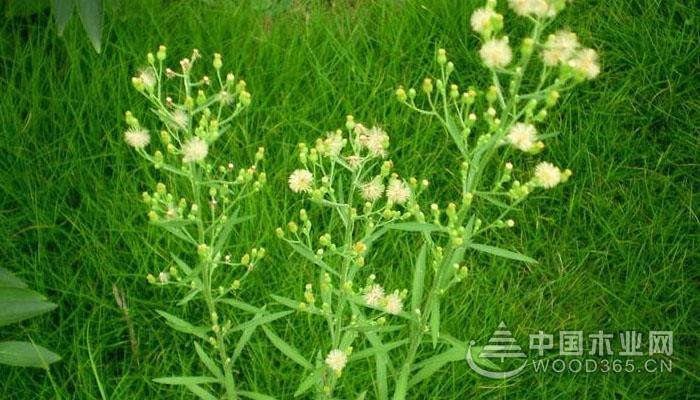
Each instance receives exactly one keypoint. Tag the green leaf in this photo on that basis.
(7, 279)
(415, 227)
(241, 305)
(186, 380)
(183, 326)
(428, 367)
(62, 12)
(376, 350)
(402, 383)
(18, 304)
(306, 253)
(306, 384)
(208, 362)
(91, 14)
(499, 252)
(255, 395)
(435, 321)
(418, 278)
(24, 354)
(243, 339)
(456, 134)
(200, 392)
(260, 320)
(287, 349)
(177, 227)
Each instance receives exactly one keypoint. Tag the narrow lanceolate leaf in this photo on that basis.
(499, 252)
(377, 350)
(62, 11)
(435, 321)
(200, 392)
(91, 14)
(307, 384)
(243, 306)
(17, 304)
(183, 326)
(186, 380)
(402, 383)
(208, 362)
(225, 233)
(24, 354)
(177, 228)
(287, 349)
(309, 255)
(418, 279)
(244, 339)
(7, 279)
(433, 364)
(260, 320)
(293, 304)
(255, 395)
(415, 227)
(456, 134)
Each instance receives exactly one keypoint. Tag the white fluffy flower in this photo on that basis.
(195, 150)
(481, 19)
(334, 144)
(374, 295)
(547, 175)
(376, 141)
(372, 190)
(301, 180)
(496, 53)
(398, 191)
(393, 303)
(336, 360)
(559, 47)
(137, 138)
(537, 8)
(180, 120)
(586, 62)
(522, 136)
(148, 77)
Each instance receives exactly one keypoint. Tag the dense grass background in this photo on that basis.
(618, 245)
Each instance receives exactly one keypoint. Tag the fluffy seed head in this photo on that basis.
(547, 175)
(393, 304)
(137, 138)
(301, 180)
(481, 19)
(195, 150)
(586, 62)
(522, 136)
(496, 53)
(372, 190)
(374, 295)
(560, 47)
(537, 8)
(398, 191)
(336, 360)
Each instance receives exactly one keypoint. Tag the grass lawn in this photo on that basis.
(618, 245)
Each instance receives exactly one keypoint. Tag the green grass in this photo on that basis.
(618, 245)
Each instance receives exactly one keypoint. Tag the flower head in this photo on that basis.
(586, 62)
(179, 120)
(398, 191)
(547, 175)
(301, 180)
(496, 53)
(537, 8)
(374, 295)
(148, 77)
(393, 304)
(481, 20)
(559, 47)
(137, 138)
(522, 136)
(372, 190)
(375, 140)
(195, 150)
(336, 360)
